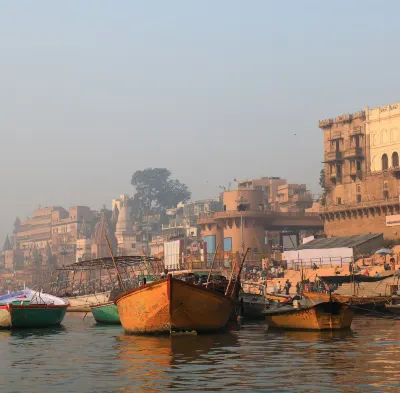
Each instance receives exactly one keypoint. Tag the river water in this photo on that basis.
(83, 357)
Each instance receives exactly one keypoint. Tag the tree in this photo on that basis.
(322, 183)
(322, 178)
(156, 192)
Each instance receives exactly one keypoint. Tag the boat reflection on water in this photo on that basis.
(150, 362)
(37, 332)
(313, 336)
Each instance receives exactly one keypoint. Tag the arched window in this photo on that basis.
(385, 162)
(395, 159)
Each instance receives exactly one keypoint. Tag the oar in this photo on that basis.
(212, 264)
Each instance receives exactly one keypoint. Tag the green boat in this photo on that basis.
(31, 309)
(106, 313)
(36, 315)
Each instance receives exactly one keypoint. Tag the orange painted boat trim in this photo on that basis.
(172, 305)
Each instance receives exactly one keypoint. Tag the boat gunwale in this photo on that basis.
(169, 280)
(302, 309)
(37, 306)
(96, 305)
(86, 296)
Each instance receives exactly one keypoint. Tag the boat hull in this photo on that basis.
(36, 315)
(5, 317)
(253, 306)
(83, 303)
(172, 305)
(393, 308)
(322, 316)
(106, 313)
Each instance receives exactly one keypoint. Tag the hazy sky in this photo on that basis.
(213, 90)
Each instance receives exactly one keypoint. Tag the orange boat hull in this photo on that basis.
(313, 318)
(172, 305)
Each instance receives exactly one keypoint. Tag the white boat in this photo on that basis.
(82, 303)
(33, 297)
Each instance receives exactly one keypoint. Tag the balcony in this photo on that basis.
(358, 130)
(332, 156)
(354, 152)
(395, 171)
(336, 135)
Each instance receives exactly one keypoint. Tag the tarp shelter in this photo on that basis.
(334, 251)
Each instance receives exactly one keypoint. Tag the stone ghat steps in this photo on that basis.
(380, 288)
(370, 288)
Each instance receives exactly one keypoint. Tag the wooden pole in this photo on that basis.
(212, 264)
(239, 273)
(115, 265)
(230, 278)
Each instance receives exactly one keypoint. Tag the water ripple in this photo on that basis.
(82, 357)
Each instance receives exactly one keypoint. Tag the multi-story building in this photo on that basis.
(362, 172)
(51, 228)
(344, 157)
(65, 227)
(293, 198)
(278, 195)
(268, 185)
(245, 222)
(184, 218)
(36, 231)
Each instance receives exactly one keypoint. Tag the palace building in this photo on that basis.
(362, 172)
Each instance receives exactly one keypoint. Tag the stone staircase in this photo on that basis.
(380, 288)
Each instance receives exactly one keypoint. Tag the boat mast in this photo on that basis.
(121, 284)
(239, 273)
(212, 264)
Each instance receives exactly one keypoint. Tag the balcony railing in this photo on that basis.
(354, 152)
(333, 156)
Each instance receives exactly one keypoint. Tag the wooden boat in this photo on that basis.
(173, 305)
(30, 308)
(253, 305)
(82, 303)
(253, 300)
(320, 316)
(106, 313)
(357, 303)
